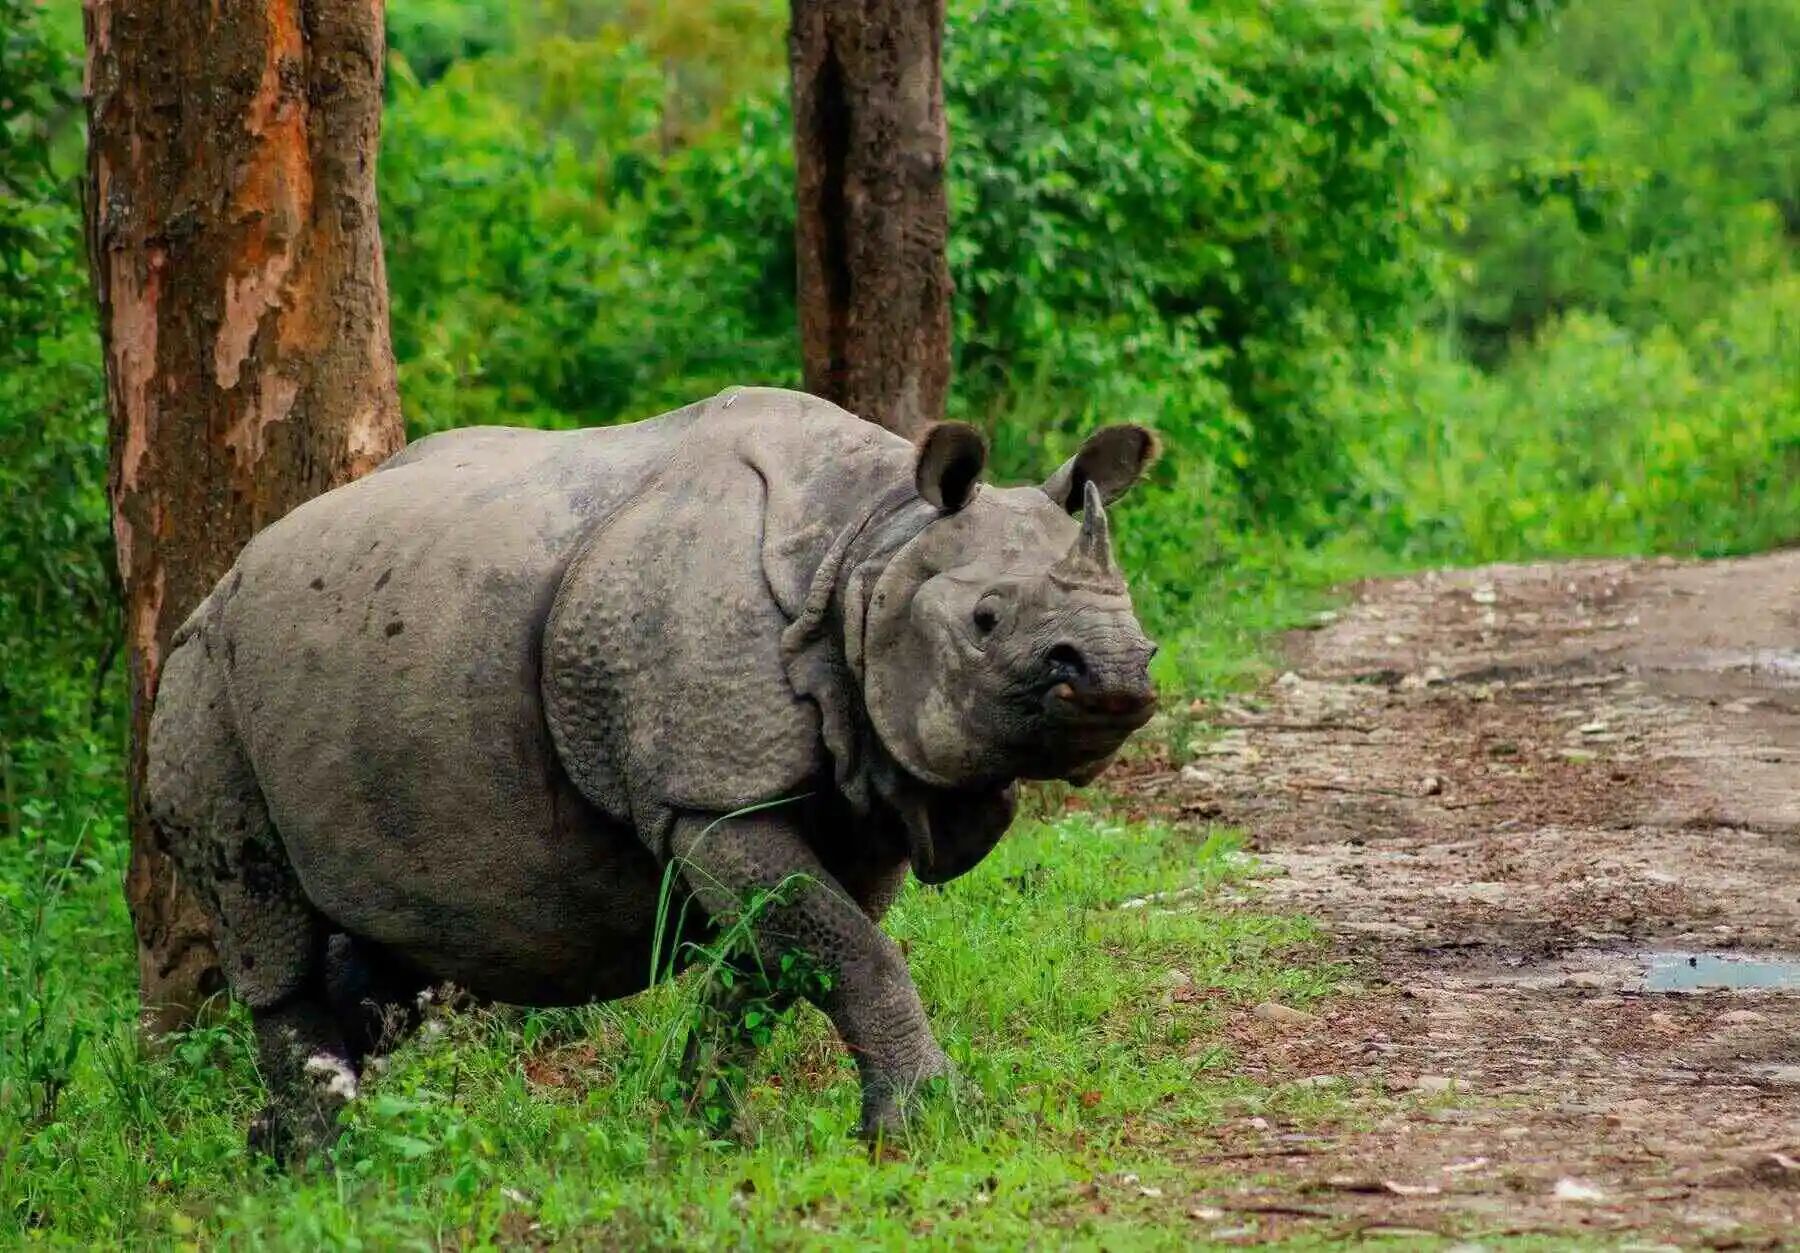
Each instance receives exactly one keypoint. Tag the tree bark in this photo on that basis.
(870, 146)
(237, 261)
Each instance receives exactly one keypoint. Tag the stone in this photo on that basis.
(1576, 1191)
(1410, 1189)
(1741, 1018)
(1284, 1015)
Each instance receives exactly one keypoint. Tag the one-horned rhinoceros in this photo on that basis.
(449, 723)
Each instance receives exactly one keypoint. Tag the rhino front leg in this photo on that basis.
(872, 1000)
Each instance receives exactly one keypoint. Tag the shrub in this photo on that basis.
(1644, 169)
(1597, 439)
(1160, 211)
(55, 591)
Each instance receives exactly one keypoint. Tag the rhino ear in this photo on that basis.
(1112, 459)
(951, 458)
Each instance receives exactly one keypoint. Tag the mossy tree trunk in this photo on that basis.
(236, 256)
(870, 147)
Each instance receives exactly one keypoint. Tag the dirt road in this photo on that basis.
(1543, 810)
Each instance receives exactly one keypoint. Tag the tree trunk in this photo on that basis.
(870, 147)
(243, 312)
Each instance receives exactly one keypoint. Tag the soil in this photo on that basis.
(1508, 794)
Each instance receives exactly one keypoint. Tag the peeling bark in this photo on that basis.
(237, 261)
(870, 146)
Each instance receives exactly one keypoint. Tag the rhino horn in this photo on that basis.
(1089, 561)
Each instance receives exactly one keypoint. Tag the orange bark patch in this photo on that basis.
(134, 367)
(134, 353)
(272, 199)
(369, 440)
(274, 401)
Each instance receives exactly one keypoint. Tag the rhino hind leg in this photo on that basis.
(375, 996)
(209, 810)
(274, 947)
(307, 1069)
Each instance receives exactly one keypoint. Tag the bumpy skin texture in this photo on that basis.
(451, 721)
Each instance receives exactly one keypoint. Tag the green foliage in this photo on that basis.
(1166, 211)
(36, 90)
(56, 602)
(1113, 245)
(1643, 170)
(535, 276)
(430, 36)
(1482, 26)
(1616, 365)
(1597, 440)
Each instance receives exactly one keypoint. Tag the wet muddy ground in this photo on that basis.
(1550, 815)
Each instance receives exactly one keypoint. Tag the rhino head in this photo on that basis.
(1001, 643)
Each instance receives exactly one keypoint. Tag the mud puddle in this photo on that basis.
(1694, 972)
(1644, 972)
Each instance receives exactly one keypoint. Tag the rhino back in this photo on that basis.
(382, 655)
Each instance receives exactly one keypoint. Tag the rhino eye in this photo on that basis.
(985, 619)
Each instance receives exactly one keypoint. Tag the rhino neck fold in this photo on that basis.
(947, 828)
(823, 647)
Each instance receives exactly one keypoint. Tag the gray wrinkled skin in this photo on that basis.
(448, 723)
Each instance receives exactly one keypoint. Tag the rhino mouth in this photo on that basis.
(1084, 730)
(1129, 707)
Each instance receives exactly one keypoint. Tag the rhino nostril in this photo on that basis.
(1066, 662)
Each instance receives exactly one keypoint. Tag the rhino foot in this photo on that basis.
(289, 1137)
(889, 1100)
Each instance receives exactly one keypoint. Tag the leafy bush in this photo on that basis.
(55, 592)
(1167, 210)
(1159, 211)
(548, 260)
(1643, 170)
(1598, 439)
